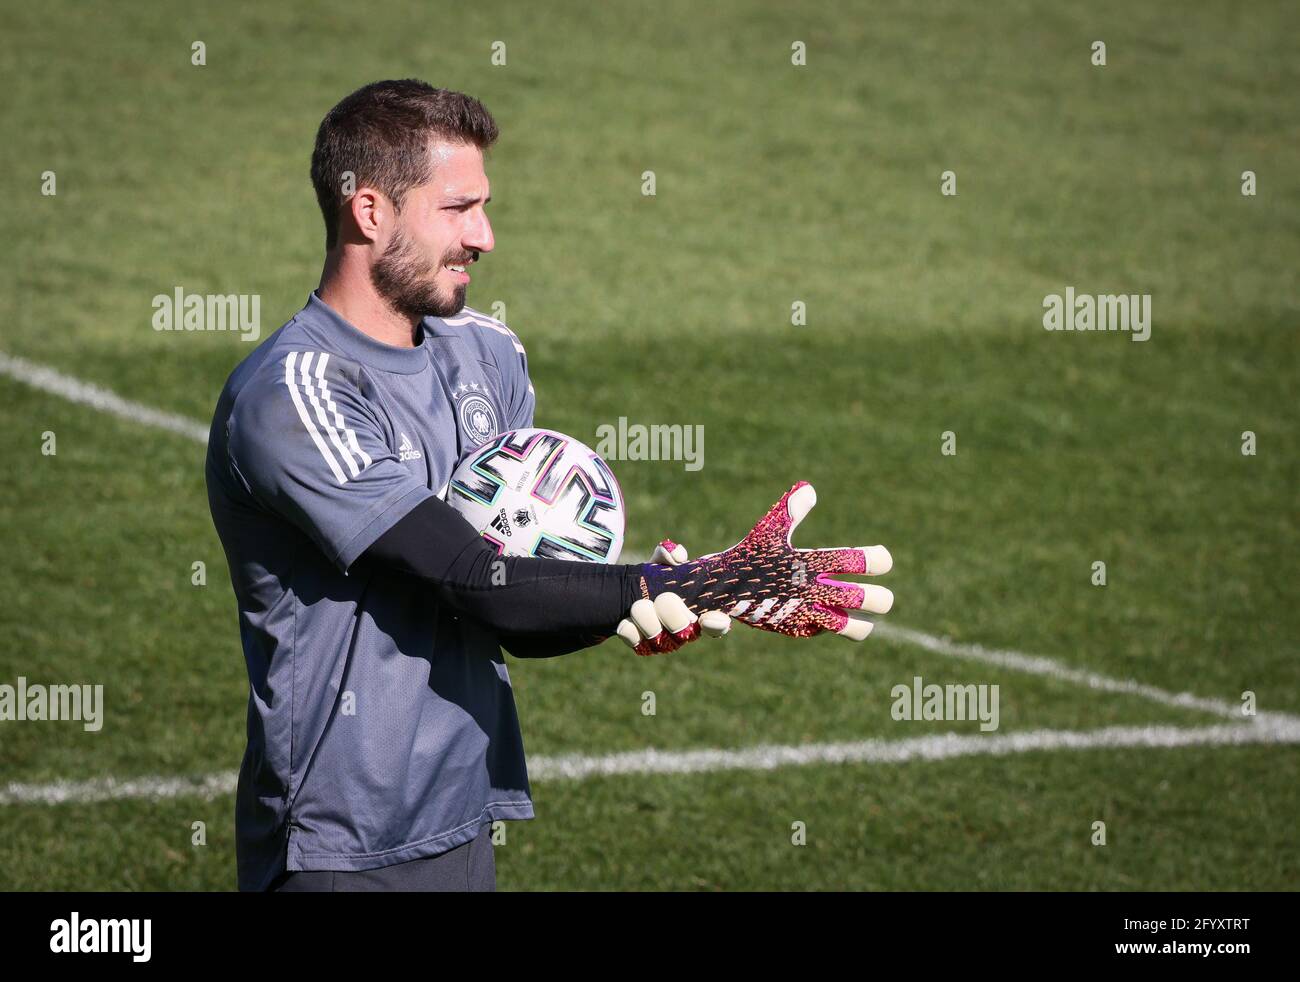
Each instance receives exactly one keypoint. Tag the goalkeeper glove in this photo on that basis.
(767, 583)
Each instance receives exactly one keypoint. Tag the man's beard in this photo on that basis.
(407, 282)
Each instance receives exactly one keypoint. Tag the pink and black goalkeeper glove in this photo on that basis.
(767, 583)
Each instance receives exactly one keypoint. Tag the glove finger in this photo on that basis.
(715, 623)
(646, 620)
(868, 560)
(856, 596)
(776, 527)
(673, 613)
(856, 627)
(847, 624)
(628, 633)
(876, 599)
(664, 625)
(679, 623)
(669, 553)
(641, 629)
(799, 501)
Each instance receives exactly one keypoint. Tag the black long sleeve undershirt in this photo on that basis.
(547, 645)
(537, 605)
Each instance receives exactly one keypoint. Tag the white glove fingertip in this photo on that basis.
(678, 555)
(800, 504)
(878, 560)
(715, 623)
(876, 599)
(646, 620)
(856, 629)
(628, 633)
(673, 612)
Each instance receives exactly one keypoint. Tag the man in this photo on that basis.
(382, 732)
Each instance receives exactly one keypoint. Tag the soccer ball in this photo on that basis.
(541, 493)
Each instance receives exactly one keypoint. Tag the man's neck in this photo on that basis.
(353, 297)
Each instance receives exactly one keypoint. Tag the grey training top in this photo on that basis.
(381, 727)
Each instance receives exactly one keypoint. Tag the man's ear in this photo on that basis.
(370, 211)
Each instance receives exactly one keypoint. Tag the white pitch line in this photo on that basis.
(579, 767)
(1036, 665)
(926, 748)
(49, 380)
(118, 789)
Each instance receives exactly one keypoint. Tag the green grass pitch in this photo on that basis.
(775, 184)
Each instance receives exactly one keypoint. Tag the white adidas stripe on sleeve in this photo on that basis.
(321, 445)
(324, 420)
(348, 433)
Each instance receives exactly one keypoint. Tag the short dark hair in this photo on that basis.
(381, 134)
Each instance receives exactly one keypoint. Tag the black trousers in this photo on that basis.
(467, 868)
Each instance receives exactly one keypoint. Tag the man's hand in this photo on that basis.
(666, 624)
(766, 582)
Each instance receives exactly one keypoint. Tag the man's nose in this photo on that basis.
(479, 235)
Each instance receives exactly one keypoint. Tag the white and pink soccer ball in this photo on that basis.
(540, 493)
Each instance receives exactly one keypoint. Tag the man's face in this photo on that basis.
(441, 224)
